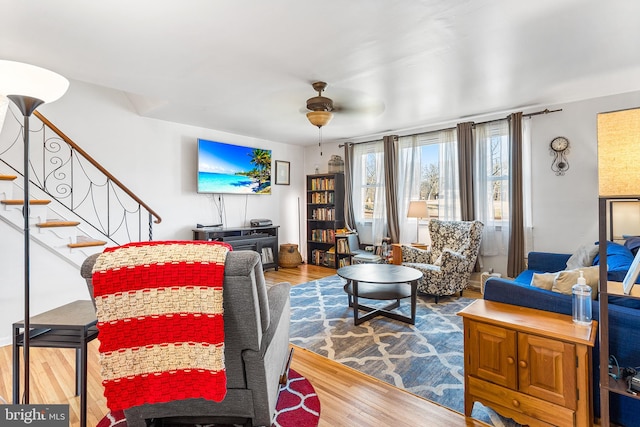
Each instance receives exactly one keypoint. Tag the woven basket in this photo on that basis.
(289, 256)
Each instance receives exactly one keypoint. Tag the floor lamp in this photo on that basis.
(28, 87)
(418, 209)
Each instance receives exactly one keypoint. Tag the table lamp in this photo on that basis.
(418, 209)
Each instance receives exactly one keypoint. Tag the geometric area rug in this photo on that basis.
(425, 359)
(297, 406)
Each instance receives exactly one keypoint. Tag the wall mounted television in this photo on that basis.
(233, 169)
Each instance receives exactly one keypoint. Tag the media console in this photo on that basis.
(263, 240)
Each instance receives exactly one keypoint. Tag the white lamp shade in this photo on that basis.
(417, 209)
(17, 78)
(619, 153)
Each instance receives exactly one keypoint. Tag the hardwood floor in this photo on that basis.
(347, 397)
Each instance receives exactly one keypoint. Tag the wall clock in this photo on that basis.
(559, 148)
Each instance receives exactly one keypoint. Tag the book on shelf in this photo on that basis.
(343, 246)
(323, 197)
(329, 259)
(317, 257)
(323, 214)
(322, 184)
(344, 262)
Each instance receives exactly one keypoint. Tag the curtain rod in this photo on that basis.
(537, 113)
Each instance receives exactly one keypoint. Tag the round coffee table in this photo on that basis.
(380, 282)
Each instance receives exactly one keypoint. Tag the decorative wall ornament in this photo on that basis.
(559, 148)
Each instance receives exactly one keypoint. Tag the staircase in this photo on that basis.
(66, 238)
(76, 206)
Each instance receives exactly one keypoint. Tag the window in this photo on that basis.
(369, 205)
(370, 185)
(491, 179)
(427, 170)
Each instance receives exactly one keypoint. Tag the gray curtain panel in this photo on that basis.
(349, 217)
(390, 178)
(465, 170)
(515, 257)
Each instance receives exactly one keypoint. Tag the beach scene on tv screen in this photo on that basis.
(227, 168)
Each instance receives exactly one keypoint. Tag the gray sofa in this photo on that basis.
(256, 325)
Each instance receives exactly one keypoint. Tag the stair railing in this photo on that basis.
(68, 174)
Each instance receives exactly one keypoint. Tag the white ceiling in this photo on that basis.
(246, 67)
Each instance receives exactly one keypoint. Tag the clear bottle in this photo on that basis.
(581, 302)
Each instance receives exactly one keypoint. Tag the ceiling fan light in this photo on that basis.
(319, 118)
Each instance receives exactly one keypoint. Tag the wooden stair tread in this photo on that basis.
(7, 177)
(87, 244)
(50, 224)
(14, 202)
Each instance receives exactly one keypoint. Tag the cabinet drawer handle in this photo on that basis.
(510, 360)
(523, 364)
(516, 403)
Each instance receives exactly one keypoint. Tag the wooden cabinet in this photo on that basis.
(325, 216)
(530, 365)
(263, 240)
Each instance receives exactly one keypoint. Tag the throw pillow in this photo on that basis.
(633, 244)
(543, 280)
(438, 261)
(619, 260)
(566, 279)
(583, 257)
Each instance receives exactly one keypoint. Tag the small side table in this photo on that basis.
(71, 326)
(530, 365)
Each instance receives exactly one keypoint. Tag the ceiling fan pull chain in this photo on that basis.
(320, 139)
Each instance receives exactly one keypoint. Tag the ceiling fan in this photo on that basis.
(320, 107)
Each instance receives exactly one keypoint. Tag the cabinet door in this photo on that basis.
(547, 369)
(492, 353)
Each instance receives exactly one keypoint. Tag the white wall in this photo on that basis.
(157, 161)
(565, 208)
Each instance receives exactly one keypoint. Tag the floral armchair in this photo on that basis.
(448, 263)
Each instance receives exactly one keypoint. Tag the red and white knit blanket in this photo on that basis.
(161, 331)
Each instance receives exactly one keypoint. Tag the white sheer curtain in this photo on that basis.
(411, 165)
(492, 185)
(368, 189)
(449, 194)
(408, 184)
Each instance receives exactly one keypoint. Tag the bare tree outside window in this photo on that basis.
(499, 158)
(430, 178)
(370, 184)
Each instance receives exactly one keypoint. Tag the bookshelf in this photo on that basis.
(325, 216)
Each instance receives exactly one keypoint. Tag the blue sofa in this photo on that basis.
(624, 322)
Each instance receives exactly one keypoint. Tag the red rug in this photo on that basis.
(298, 406)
